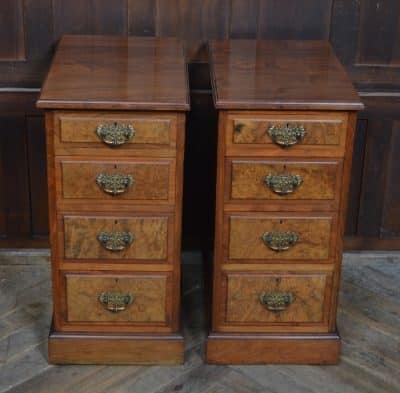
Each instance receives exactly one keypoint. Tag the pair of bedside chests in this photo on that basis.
(115, 121)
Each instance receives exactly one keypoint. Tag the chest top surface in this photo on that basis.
(272, 74)
(106, 72)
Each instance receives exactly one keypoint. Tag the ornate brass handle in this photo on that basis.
(114, 184)
(115, 302)
(238, 127)
(283, 184)
(276, 301)
(280, 241)
(115, 241)
(287, 135)
(115, 134)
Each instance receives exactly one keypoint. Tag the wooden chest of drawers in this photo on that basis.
(115, 119)
(287, 116)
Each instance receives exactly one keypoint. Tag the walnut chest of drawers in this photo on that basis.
(287, 114)
(115, 118)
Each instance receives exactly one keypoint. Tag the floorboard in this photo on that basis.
(368, 320)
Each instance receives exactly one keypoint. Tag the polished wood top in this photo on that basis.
(110, 72)
(271, 74)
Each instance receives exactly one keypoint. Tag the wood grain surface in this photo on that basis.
(152, 180)
(246, 133)
(325, 129)
(320, 179)
(115, 350)
(150, 237)
(315, 237)
(323, 349)
(147, 307)
(275, 74)
(97, 72)
(78, 127)
(244, 306)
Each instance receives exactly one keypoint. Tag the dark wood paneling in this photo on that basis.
(15, 181)
(38, 22)
(391, 210)
(12, 45)
(354, 243)
(379, 32)
(374, 177)
(364, 33)
(244, 18)
(288, 19)
(356, 176)
(90, 17)
(3, 195)
(71, 17)
(37, 175)
(108, 17)
(168, 14)
(141, 17)
(23, 196)
(379, 200)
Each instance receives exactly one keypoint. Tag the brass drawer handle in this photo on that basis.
(115, 134)
(114, 184)
(276, 301)
(238, 127)
(280, 241)
(283, 184)
(115, 241)
(287, 135)
(115, 302)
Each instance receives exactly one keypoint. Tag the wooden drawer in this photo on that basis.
(119, 238)
(249, 133)
(78, 131)
(260, 180)
(263, 238)
(276, 300)
(135, 181)
(134, 301)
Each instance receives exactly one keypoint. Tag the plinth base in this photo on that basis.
(273, 349)
(67, 348)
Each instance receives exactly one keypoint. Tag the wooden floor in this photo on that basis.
(369, 321)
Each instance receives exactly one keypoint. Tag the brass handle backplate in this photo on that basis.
(280, 241)
(114, 184)
(276, 301)
(115, 134)
(115, 302)
(287, 135)
(283, 184)
(115, 241)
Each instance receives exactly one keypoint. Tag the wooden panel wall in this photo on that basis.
(364, 33)
(12, 45)
(23, 187)
(366, 36)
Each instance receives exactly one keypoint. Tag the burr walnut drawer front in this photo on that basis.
(137, 299)
(283, 180)
(114, 133)
(133, 181)
(258, 237)
(265, 301)
(276, 133)
(123, 238)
